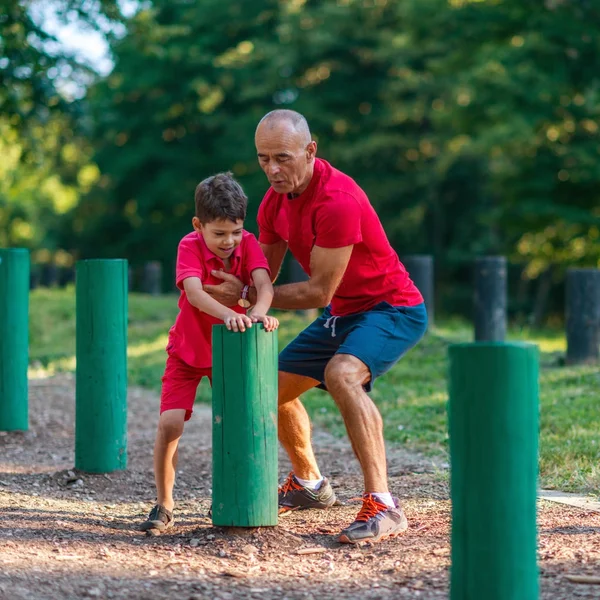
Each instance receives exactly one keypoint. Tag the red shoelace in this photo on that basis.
(371, 507)
(289, 485)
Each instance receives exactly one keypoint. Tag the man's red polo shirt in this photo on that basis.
(334, 212)
(190, 338)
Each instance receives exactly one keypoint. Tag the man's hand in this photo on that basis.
(227, 293)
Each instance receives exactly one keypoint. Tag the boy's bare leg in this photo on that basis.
(170, 428)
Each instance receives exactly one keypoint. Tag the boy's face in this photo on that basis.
(222, 237)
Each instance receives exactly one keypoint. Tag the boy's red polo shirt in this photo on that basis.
(190, 338)
(334, 212)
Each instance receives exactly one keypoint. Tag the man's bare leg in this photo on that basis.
(345, 376)
(294, 425)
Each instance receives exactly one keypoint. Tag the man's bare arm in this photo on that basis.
(275, 253)
(327, 268)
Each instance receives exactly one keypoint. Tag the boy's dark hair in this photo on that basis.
(220, 197)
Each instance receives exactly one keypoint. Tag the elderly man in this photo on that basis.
(373, 315)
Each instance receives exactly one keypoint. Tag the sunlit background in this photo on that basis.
(472, 125)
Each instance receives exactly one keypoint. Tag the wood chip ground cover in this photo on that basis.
(67, 535)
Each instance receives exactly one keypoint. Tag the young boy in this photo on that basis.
(217, 242)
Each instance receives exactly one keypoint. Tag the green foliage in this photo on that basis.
(191, 81)
(34, 69)
(471, 125)
(412, 397)
(27, 93)
(42, 177)
(45, 164)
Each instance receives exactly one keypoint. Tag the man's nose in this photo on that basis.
(273, 168)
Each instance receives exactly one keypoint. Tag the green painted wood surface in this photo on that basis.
(14, 338)
(493, 419)
(101, 377)
(244, 427)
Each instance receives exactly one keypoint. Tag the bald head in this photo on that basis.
(286, 119)
(286, 152)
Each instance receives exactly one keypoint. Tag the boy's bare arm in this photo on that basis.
(198, 298)
(264, 297)
(264, 291)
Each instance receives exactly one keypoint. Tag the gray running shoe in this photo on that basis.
(294, 496)
(375, 522)
(158, 520)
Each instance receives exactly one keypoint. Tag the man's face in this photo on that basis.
(285, 157)
(222, 237)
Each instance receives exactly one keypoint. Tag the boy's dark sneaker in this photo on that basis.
(294, 496)
(158, 520)
(375, 522)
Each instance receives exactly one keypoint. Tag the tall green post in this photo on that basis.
(14, 338)
(244, 427)
(493, 417)
(101, 378)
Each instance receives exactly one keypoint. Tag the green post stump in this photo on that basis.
(14, 338)
(101, 378)
(244, 427)
(493, 417)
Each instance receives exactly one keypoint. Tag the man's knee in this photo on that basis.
(171, 423)
(345, 371)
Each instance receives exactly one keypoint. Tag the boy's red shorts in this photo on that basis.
(179, 385)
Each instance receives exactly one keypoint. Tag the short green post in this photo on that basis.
(493, 417)
(101, 378)
(244, 427)
(14, 338)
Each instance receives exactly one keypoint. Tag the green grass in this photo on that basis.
(412, 396)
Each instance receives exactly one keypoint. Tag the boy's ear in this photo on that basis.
(197, 225)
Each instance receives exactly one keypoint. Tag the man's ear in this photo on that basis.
(196, 224)
(311, 151)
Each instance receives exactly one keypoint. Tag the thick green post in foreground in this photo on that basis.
(493, 414)
(14, 338)
(244, 427)
(101, 378)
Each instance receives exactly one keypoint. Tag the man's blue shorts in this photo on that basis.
(378, 337)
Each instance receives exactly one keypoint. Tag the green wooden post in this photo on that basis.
(101, 378)
(244, 427)
(14, 338)
(493, 417)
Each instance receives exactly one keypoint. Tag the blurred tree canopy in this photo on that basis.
(471, 124)
(45, 156)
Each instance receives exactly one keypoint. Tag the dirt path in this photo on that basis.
(65, 535)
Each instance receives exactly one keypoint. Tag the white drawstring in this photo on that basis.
(331, 320)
